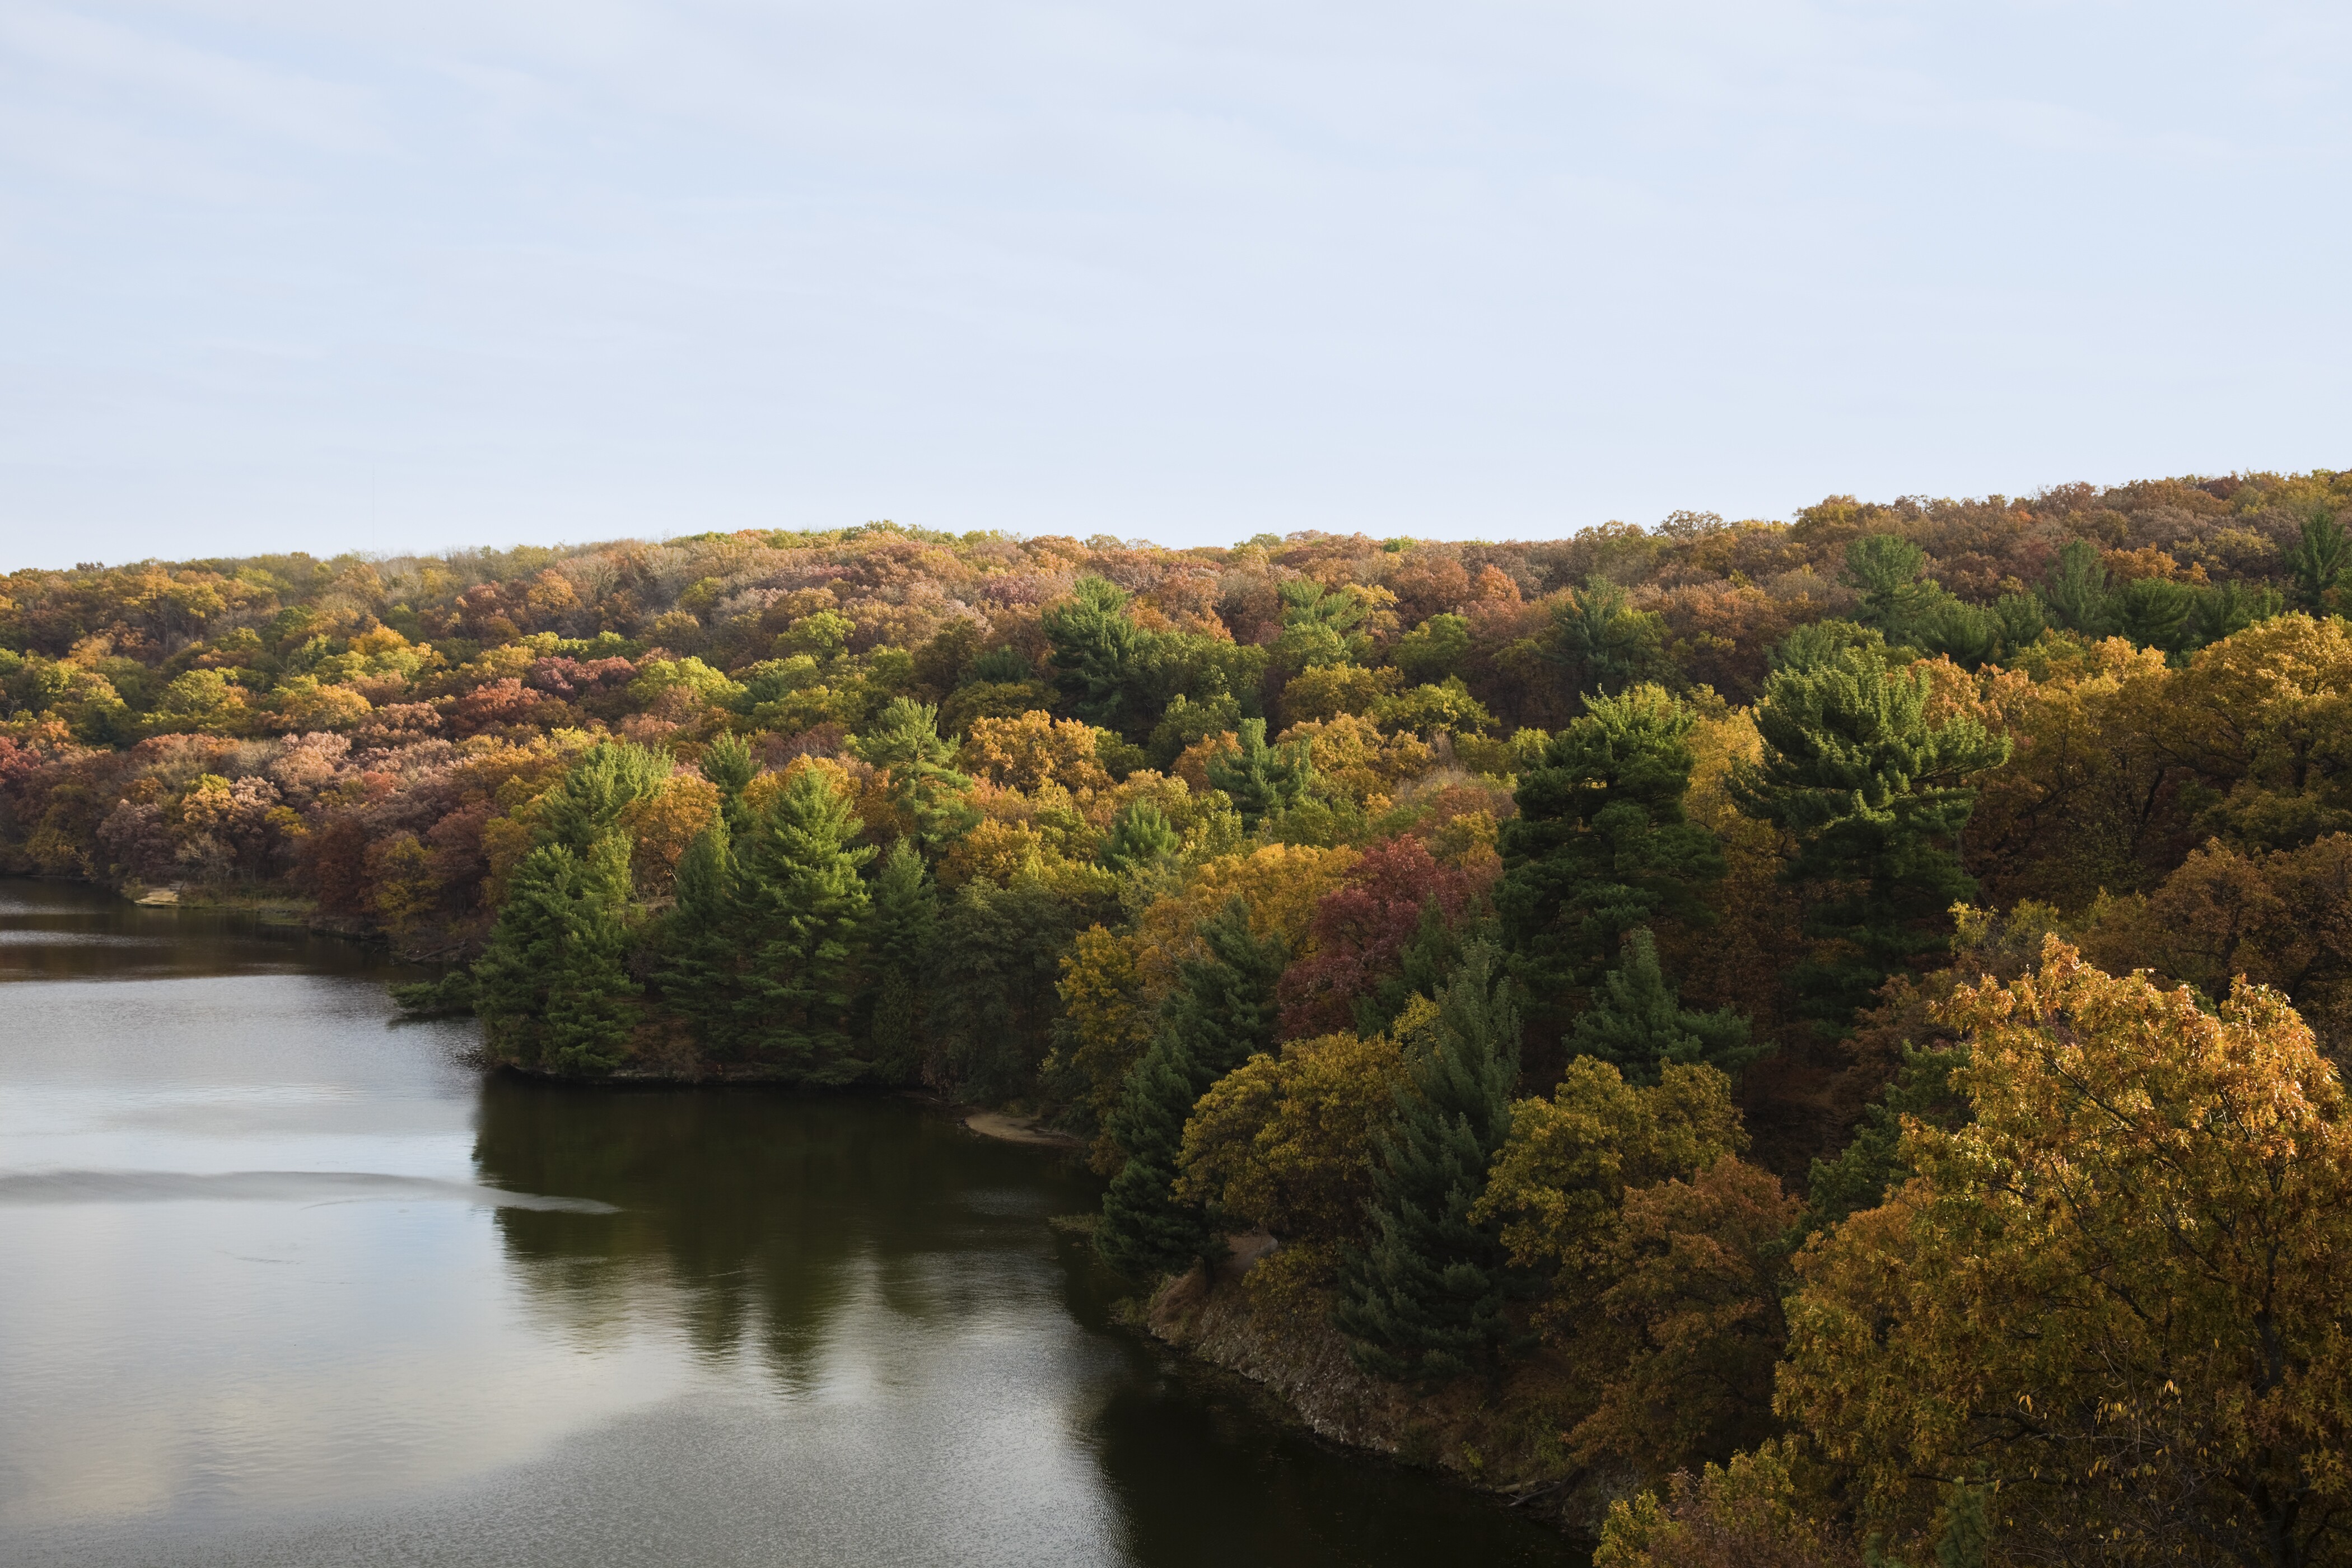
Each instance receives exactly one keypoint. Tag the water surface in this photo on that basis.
(288, 1282)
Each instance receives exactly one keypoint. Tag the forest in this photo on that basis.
(1809, 1042)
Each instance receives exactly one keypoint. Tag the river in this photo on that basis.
(285, 1281)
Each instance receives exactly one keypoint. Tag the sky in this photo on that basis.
(389, 277)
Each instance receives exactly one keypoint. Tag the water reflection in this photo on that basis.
(289, 1285)
(742, 1210)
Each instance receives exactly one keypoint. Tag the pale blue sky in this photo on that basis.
(396, 276)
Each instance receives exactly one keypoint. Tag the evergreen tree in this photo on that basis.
(1638, 1024)
(1600, 843)
(700, 945)
(990, 995)
(1896, 596)
(1604, 642)
(1141, 835)
(728, 763)
(1103, 662)
(931, 794)
(901, 930)
(1261, 780)
(1145, 1231)
(2225, 609)
(2077, 591)
(552, 984)
(1222, 1011)
(1859, 1177)
(551, 988)
(1820, 642)
(1427, 1297)
(1874, 797)
(2319, 557)
(803, 909)
(610, 775)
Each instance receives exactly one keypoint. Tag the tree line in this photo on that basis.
(1791, 1042)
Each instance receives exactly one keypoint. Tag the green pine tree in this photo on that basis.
(1604, 644)
(2321, 553)
(901, 929)
(552, 988)
(607, 778)
(1140, 836)
(1638, 1024)
(1261, 780)
(552, 985)
(1427, 1298)
(1600, 843)
(728, 763)
(1862, 1172)
(1105, 665)
(1221, 1013)
(700, 943)
(933, 795)
(1874, 796)
(802, 911)
(2076, 589)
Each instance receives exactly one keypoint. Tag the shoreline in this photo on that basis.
(1006, 1128)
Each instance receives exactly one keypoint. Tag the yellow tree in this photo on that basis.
(2118, 1296)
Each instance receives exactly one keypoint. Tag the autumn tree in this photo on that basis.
(2114, 1295)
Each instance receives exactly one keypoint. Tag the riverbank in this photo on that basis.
(1007, 1128)
(1502, 1437)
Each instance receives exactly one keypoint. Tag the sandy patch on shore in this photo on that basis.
(1017, 1130)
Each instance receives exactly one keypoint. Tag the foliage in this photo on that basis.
(2116, 1293)
(1221, 1014)
(550, 988)
(1260, 779)
(1873, 792)
(1287, 1142)
(1426, 1296)
(1636, 1023)
(1601, 843)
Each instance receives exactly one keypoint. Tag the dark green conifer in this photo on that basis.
(2321, 553)
(1222, 1011)
(1637, 1024)
(901, 930)
(933, 795)
(701, 942)
(1141, 835)
(1600, 843)
(1426, 1299)
(1874, 796)
(1261, 780)
(728, 763)
(551, 988)
(1103, 662)
(802, 912)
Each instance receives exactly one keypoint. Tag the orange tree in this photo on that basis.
(2117, 1297)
